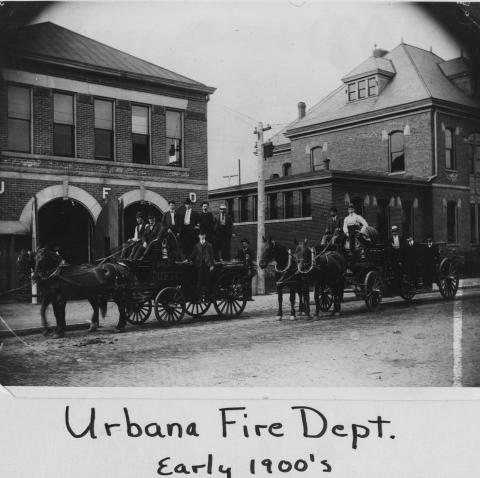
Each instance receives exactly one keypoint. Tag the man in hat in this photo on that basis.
(203, 260)
(395, 246)
(170, 221)
(189, 226)
(334, 225)
(431, 257)
(223, 233)
(207, 223)
(135, 242)
(246, 255)
(410, 259)
(351, 225)
(150, 233)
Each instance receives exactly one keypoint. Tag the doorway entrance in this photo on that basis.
(67, 224)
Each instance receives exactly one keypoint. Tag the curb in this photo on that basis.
(85, 325)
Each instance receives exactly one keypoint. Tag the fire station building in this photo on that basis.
(89, 135)
(399, 138)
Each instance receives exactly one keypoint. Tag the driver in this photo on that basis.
(351, 224)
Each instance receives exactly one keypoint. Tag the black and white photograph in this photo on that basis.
(239, 194)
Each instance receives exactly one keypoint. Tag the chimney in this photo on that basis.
(301, 109)
(378, 52)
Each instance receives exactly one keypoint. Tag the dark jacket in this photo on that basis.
(207, 223)
(202, 255)
(333, 224)
(194, 220)
(246, 256)
(166, 222)
(226, 228)
(401, 241)
(151, 232)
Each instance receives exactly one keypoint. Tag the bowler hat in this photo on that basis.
(394, 228)
(222, 206)
(140, 214)
(188, 201)
(171, 202)
(244, 239)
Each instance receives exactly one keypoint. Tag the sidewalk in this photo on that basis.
(24, 318)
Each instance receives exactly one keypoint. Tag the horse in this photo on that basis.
(324, 270)
(286, 274)
(57, 283)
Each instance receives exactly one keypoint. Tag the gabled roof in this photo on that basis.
(418, 77)
(52, 43)
(371, 66)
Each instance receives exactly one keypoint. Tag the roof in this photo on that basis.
(455, 67)
(371, 66)
(50, 42)
(418, 77)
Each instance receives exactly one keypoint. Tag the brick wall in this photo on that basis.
(3, 116)
(42, 121)
(85, 127)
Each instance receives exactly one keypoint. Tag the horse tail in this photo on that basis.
(103, 306)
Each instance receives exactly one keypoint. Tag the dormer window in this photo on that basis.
(361, 89)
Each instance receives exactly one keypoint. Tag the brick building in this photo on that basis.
(88, 136)
(399, 138)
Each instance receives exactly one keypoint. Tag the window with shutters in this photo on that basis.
(174, 135)
(103, 129)
(140, 134)
(63, 125)
(19, 118)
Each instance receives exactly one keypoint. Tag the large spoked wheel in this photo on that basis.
(197, 308)
(230, 296)
(169, 305)
(325, 299)
(447, 279)
(373, 290)
(138, 311)
(407, 288)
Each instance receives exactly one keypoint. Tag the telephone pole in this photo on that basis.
(259, 130)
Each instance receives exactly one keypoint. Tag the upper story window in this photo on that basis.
(244, 209)
(230, 208)
(274, 176)
(316, 159)
(397, 152)
(103, 129)
(306, 208)
(452, 221)
(450, 162)
(63, 125)
(474, 141)
(19, 117)
(360, 89)
(287, 169)
(140, 134)
(288, 203)
(272, 206)
(174, 138)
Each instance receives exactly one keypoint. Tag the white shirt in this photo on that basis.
(353, 220)
(172, 214)
(136, 236)
(188, 213)
(396, 241)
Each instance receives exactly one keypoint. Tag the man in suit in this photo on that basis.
(135, 242)
(203, 260)
(170, 221)
(410, 259)
(395, 248)
(150, 233)
(245, 255)
(189, 226)
(223, 234)
(334, 225)
(207, 223)
(431, 258)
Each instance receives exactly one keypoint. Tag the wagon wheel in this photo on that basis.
(407, 288)
(197, 308)
(229, 295)
(447, 279)
(169, 305)
(138, 311)
(373, 290)
(325, 299)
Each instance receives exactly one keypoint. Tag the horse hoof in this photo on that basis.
(47, 331)
(93, 328)
(118, 331)
(279, 317)
(292, 317)
(57, 335)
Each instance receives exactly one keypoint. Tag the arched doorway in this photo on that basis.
(130, 212)
(66, 223)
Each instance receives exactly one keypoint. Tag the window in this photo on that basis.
(287, 169)
(174, 138)
(449, 150)
(19, 114)
(288, 204)
(244, 209)
(305, 203)
(140, 134)
(230, 208)
(362, 89)
(103, 129)
(274, 176)
(407, 218)
(316, 159)
(352, 91)
(372, 86)
(452, 221)
(397, 154)
(63, 125)
(254, 208)
(474, 141)
(272, 206)
(473, 226)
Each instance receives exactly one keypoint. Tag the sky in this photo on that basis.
(263, 57)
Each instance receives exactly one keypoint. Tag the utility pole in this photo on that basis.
(259, 130)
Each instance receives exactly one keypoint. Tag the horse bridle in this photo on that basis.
(51, 273)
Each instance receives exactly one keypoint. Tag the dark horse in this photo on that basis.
(58, 283)
(286, 275)
(325, 271)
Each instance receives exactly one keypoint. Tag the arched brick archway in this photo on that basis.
(55, 192)
(138, 195)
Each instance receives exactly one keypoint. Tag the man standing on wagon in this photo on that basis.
(351, 224)
(207, 223)
(189, 225)
(170, 221)
(223, 234)
(203, 260)
(245, 255)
